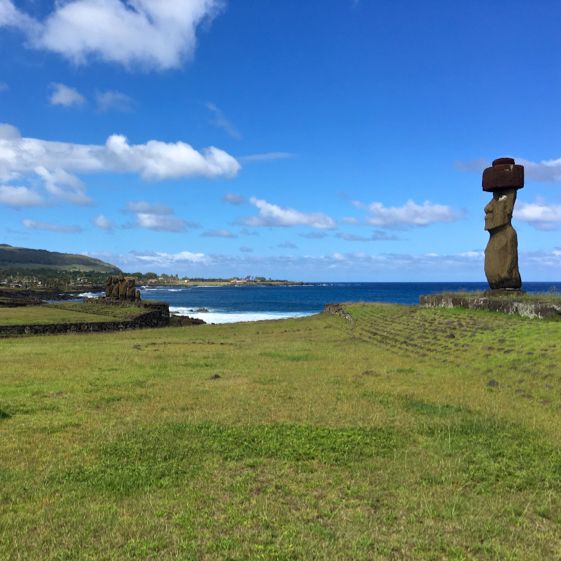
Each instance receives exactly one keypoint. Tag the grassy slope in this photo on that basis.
(318, 440)
(24, 258)
(65, 313)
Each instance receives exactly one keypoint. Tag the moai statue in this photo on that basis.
(502, 179)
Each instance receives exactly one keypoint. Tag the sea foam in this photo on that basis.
(235, 317)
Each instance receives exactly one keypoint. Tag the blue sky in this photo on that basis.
(334, 140)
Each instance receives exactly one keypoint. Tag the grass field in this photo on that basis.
(68, 312)
(405, 434)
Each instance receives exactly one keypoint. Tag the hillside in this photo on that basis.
(20, 258)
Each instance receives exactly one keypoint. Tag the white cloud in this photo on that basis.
(19, 197)
(163, 259)
(408, 215)
(156, 217)
(274, 215)
(353, 266)
(220, 121)
(113, 100)
(49, 227)
(350, 220)
(266, 157)
(150, 33)
(10, 16)
(56, 163)
(63, 185)
(539, 214)
(219, 234)
(102, 222)
(65, 96)
(234, 199)
(4, 87)
(545, 170)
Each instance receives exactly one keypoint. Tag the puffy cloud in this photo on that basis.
(159, 160)
(350, 220)
(113, 100)
(65, 96)
(55, 163)
(156, 217)
(49, 227)
(220, 121)
(19, 197)
(274, 215)
(234, 199)
(219, 234)
(539, 214)
(151, 33)
(409, 215)
(102, 222)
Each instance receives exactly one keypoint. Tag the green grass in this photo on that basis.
(414, 434)
(70, 312)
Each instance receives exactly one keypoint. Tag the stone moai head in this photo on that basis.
(502, 179)
(499, 211)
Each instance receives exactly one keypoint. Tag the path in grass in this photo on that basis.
(405, 434)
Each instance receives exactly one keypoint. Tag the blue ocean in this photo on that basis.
(227, 304)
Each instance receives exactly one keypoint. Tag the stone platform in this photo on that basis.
(508, 303)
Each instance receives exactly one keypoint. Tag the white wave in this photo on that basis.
(91, 294)
(236, 317)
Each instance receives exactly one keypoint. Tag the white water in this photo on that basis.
(91, 294)
(222, 317)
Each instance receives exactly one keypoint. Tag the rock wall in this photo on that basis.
(157, 316)
(507, 305)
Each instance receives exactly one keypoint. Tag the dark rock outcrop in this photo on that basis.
(122, 288)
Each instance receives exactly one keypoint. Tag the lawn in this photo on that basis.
(69, 312)
(404, 434)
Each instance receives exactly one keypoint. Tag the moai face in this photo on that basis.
(499, 211)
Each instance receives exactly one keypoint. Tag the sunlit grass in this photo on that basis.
(406, 434)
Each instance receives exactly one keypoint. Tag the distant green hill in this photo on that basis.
(20, 258)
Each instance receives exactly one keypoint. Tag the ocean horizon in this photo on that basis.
(232, 304)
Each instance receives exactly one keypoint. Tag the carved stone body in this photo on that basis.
(501, 253)
(502, 179)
